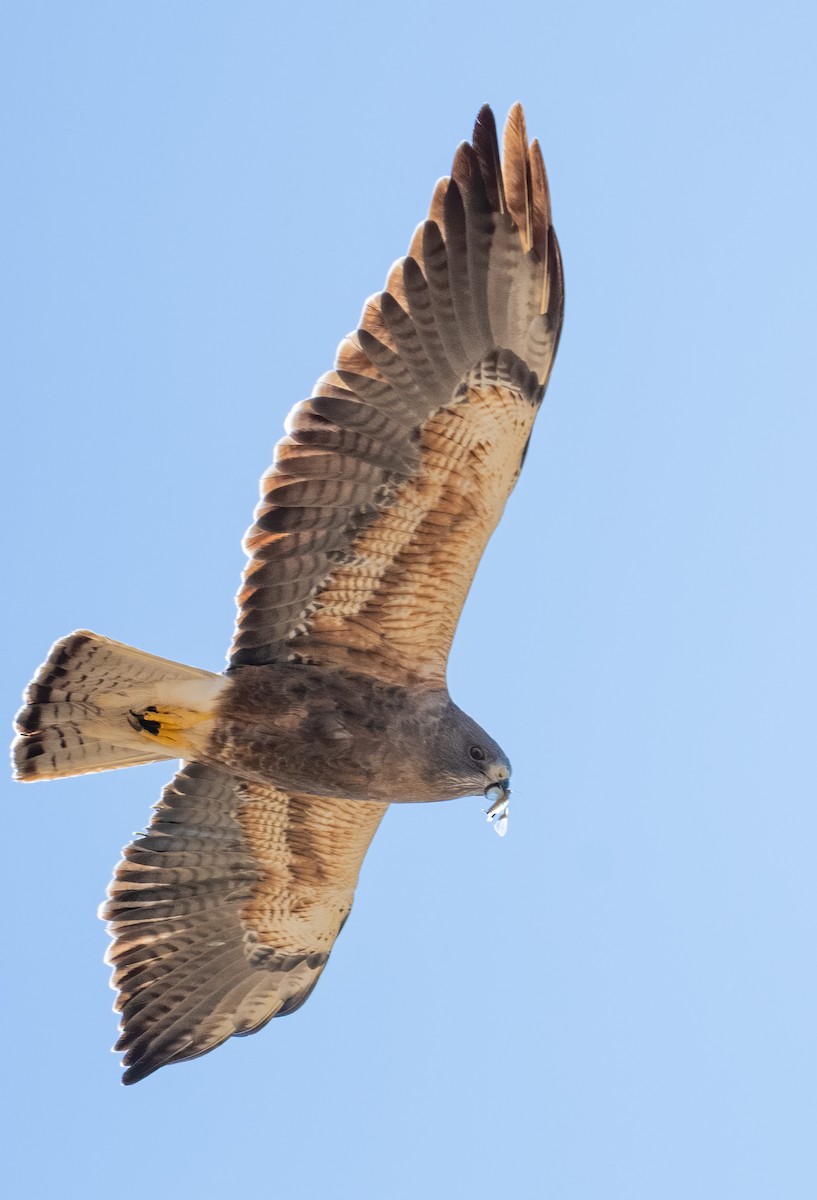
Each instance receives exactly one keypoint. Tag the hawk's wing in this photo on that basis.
(224, 913)
(377, 508)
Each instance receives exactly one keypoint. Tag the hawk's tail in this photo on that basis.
(95, 704)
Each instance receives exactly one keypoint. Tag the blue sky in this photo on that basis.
(619, 999)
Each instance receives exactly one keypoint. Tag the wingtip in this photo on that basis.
(516, 113)
(516, 173)
(541, 216)
(484, 119)
(138, 1073)
(486, 149)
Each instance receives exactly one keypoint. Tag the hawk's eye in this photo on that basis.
(477, 753)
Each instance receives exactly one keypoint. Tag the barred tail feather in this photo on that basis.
(91, 707)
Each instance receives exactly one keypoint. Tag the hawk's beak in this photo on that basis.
(499, 795)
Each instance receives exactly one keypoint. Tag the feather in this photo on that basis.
(540, 203)
(486, 147)
(516, 173)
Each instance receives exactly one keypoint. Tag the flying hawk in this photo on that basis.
(371, 523)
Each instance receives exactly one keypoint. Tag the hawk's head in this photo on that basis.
(468, 759)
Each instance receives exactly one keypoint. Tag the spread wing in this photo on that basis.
(224, 913)
(392, 477)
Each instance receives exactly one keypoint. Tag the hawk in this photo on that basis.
(372, 519)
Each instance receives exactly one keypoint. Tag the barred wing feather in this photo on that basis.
(224, 913)
(392, 477)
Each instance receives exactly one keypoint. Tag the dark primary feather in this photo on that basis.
(486, 147)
